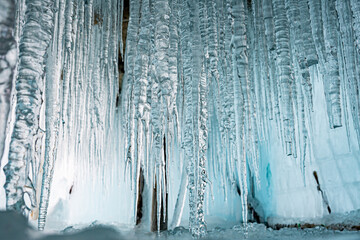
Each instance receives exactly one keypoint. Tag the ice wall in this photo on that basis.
(227, 109)
(289, 196)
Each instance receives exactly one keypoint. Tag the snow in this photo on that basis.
(15, 227)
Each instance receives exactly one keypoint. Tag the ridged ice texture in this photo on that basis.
(204, 84)
(68, 59)
(355, 7)
(7, 64)
(83, 78)
(256, 60)
(332, 66)
(351, 60)
(34, 41)
(285, 79)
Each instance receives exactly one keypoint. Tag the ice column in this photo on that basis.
(34, 41)
(7, 64)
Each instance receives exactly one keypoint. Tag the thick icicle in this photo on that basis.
(7, 64)
(305, 26)
(140, 88)
(35, 39)
(297, 22)
(254, 94)
(201, 171)
(130, 56)
(316, 22)
(271, 55)
(284, 73)
(317, 28)
(163, 92)
(331, 61)
(188, 140)
(225, 49)
(351, 64)
(240, 90)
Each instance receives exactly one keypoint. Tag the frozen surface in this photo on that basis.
(15, 227)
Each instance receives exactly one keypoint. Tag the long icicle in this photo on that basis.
(284, 73)
(52, 104)
(240, 79)
(332, 64)
(7, 65)
(38, 29)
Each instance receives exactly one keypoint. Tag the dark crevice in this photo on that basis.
(238, 189)
(139, 204)
(163, 210)
(121, 67)
(255, 210)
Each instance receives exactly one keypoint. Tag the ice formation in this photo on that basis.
(204, 85)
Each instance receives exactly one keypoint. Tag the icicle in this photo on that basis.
(227, 73)
(284, 73)
(355, 7)
(131, 41)
(173, 54)
(241, 105)
(303, 132)
(218, 41)
(162, 45)
(19, 18)
(121, 16)
(162, 99)
(297, 22)
(299, 108)
(70, 67)
(141, 86)
(77, 79)
(254, 96)
(271, 54)
(201, 171)
(186, 45)
(264, 108)
(52, 93)
(344, 16)
(331, 64)
(67, 58)
(37, 33)
(180, 200)
(343, 93)
(88, 24)
(318, 36)
(7, 64)
(317, 28)
(309, 45)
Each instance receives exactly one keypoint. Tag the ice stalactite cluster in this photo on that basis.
(204, 82)
(215, 74)
(66, 89)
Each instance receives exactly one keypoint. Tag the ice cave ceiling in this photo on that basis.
(160, 112)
